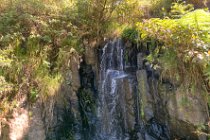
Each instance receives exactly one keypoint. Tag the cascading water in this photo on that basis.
(116, 103)
(118, 107)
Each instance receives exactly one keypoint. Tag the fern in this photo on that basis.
(186, 43)
(180, 8)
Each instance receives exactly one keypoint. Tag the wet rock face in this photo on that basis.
(91, 58)
(153, 130)
(36, 125)
(86, 76)
(156, 131)
(130, 52)
(140, 60)
(87, 100)
(185, 112)
(193, 105)
(61, 111)
(170, 104)
(143, 89)
(188, 111)
(116, 99)
(58, 117)
(129, 103)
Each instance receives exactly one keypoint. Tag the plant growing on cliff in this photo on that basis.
(187, 39)
(180, 8)
(130, 34)
(87, 105)
(32, 33)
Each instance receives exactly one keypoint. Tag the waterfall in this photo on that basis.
(115, 110)
(123, 86)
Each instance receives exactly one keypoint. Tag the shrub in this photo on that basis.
(32, 33)
(186, 45)
(130, 34)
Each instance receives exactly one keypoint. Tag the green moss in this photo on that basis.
(185, 102)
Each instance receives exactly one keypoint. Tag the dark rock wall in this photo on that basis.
(184, 113)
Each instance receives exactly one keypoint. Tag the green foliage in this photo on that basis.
(202, 127)
(32, 33)
(38, 38)
(6, 94)
(129, 11)
(186, 45)
(180, 8)
(97, 17)
(130, 34)
(94, 17)
(33, 95)
(160, 8)
(49, 85)
(66, 129)
(87, 106)
(198, 20)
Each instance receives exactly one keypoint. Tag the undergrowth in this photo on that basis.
(183, 54)
(36, 38)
